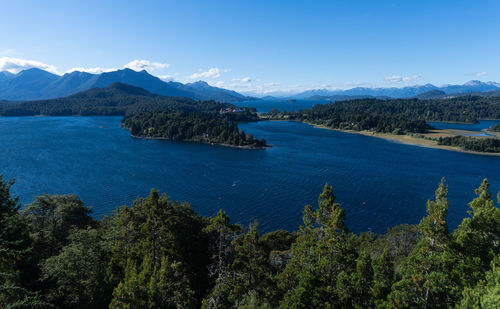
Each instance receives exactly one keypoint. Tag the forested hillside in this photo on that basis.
(495, 128)
(472, 144)
(117, 99)
(159, 253)
(398, 115)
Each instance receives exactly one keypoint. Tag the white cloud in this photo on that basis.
(476, 74)
(393, 79)
(7, 51)
(95, 70)
(166, 78)
(211, 73)
(136, 65)
(15, 65)
(348, 85)
(412, 78)
(244, 80)
(398, 78)
(139, 65)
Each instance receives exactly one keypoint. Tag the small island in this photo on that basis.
(207, 128)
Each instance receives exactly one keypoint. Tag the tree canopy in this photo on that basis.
(158, 253)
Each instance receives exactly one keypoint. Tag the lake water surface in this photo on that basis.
(379, 183)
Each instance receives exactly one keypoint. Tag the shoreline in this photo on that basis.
(409, 140)
(202, 142)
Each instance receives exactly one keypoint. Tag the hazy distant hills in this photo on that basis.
(115, 99)
(37, 84)
(472, 87)
(431, 94)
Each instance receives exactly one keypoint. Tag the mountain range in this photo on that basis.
(472, 87)
(37, 84)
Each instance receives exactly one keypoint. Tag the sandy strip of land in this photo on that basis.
(419, 141)
(496, 134)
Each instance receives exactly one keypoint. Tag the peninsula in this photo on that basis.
(406, 121)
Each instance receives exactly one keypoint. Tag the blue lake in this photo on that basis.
(483, 124)
(379, 183)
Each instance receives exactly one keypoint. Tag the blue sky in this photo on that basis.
(260, 46)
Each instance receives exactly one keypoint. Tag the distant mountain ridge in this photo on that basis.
(471, 87)
(115, 99)
(37, 84)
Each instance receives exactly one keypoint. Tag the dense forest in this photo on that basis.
(159, 253)
(495, 128)
(471, 143)
(200, 127)
(395, 116)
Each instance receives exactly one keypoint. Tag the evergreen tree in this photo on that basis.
(77, 272)
(478, 237)
(427, 276)
(15, 249)
(152, 230)
(52, 217)
(383, 278)
(221, 234)
(251, 267)
(162, 286)
(323, 257)
(486, 294)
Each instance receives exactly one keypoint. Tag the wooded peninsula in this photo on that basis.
(404, 117)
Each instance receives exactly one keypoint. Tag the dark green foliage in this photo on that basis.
(427, 279)
(200, 127)
(53, 217)
(486, 294)
(77, 272)
(472, 144)
(323, 259)
(161, 254)
(397, 116)
(279, 240)
(15, 250)
(157, 235)
(495, 128)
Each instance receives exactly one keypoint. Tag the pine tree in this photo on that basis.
(15, 248)
(479, 235)
(323, 257)
(221, 234)
(486, 294)
(383, 278)
(251, 267)
(478, 238)
(427, 276)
